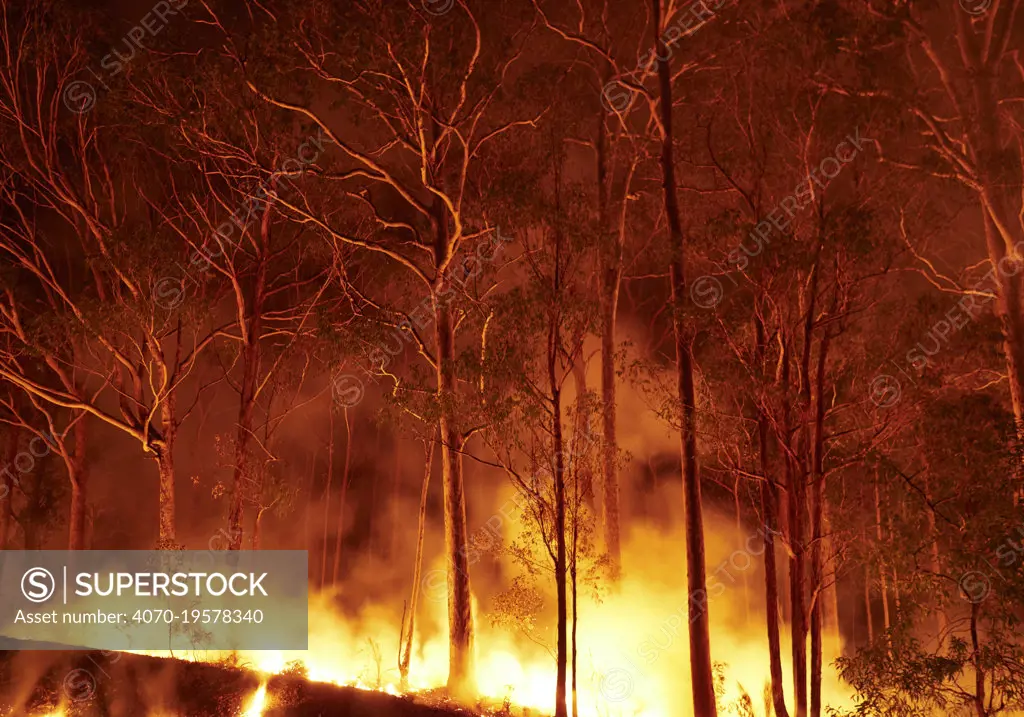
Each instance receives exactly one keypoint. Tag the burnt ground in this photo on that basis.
(99, 684)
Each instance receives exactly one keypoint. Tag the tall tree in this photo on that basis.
(701, 674)
(428, 117)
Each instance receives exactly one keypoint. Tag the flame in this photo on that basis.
(256, 704)
(633, 655)
(633, 659)
(633, 646)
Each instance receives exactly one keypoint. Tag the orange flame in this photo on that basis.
(256, 704)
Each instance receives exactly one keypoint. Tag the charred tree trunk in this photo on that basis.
(409, 626)
(701, 674)
(769, 502)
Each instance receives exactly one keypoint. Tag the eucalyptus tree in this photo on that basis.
(410, 116)
(79, 190)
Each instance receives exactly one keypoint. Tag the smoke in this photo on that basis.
(632, 641)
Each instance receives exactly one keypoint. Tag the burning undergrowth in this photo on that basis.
(102, 684)
(632, 656)
(632, 648)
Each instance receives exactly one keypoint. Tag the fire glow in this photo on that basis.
(632, 652)
(257, 703)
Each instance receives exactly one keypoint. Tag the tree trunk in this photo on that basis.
(817, 511)
(830, 592)
(769, 502)
(554, 350)
(883, 586)
(802, 471)
(935, 564)
(561, 573)
(344, 494)
(867, 603)
(976, 661)
(782, 509)
(327, 492)
(168, 537)
(243, 432)
(796, 504)
(247, 401)
(167, 534)
(77, 528)
(771, 582)
(251, 356)
(409, 628)
(583, 444)
(575, 607)
(611, 280)
(701, 674)
(992, 165)
(461, 680)
(893, 572)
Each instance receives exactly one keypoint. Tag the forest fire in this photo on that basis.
(573, 358)
(632, 647)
